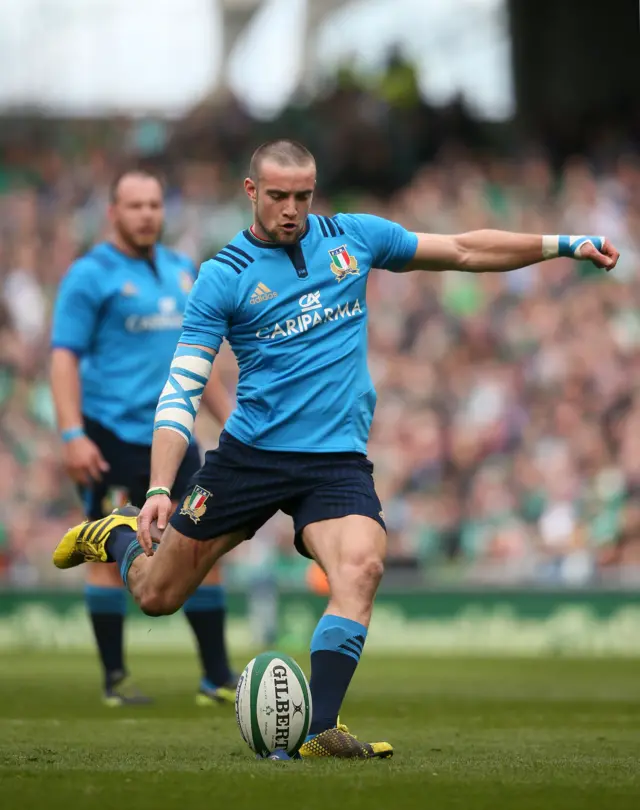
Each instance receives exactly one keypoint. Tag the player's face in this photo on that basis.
(281, 200)
(138, 211)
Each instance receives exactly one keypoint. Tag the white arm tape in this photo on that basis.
(550, 247)
(180, 398)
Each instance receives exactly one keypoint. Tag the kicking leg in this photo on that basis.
(160, 584)
(351, 551)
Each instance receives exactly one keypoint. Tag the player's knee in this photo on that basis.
(363, 573)
(372, 571)
(156, 602)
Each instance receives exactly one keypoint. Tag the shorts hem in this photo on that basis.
(298, 542)
(177, 518)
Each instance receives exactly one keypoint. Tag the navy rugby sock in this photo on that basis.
(336, 647)
(107, 608)
(123, 548)
(205, 610)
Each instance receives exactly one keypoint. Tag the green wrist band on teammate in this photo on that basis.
(158, 491)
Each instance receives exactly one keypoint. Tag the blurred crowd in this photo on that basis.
(506, 441)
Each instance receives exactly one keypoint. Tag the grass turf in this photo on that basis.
(468, 734)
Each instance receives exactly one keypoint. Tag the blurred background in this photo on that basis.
(506, 442)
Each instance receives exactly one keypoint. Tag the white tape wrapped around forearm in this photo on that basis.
(550, 247)
(180, 398)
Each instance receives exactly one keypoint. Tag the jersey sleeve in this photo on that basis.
(210, 307)
(77, 309)
(392, 246)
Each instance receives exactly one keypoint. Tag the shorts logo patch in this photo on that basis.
(116, 498)
(195, 505)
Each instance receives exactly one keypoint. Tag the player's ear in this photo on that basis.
(251, 189)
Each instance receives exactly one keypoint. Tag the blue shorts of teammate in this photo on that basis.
(241, 487)
(127, 480)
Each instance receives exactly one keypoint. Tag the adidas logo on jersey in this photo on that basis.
(261, 294)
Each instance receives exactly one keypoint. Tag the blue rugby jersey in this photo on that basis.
(123, 319)
(296, 320)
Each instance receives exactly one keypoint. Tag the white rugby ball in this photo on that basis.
(273, 704)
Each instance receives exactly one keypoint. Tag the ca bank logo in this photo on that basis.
(310, 301)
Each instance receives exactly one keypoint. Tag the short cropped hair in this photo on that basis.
(283, 152)
(132, 171)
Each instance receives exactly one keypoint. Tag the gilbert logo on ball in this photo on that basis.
(273, 704)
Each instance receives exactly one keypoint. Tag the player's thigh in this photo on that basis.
(233, 491)
(346, 545)
(180, 564)
(341, 517)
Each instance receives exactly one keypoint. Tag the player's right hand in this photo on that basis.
(84, 461)
(156, 508)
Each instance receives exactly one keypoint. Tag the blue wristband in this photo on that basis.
(71, 434)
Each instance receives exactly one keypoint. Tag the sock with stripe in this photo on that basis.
(123, 548)
(205, 611)
(336, 647)
(107, 608)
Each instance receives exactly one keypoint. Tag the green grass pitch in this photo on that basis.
(469, 734)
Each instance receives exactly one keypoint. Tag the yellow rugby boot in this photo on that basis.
(210, 695)
(339, 742)
(86, 541)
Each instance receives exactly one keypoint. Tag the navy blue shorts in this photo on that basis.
(128, 479)
(239, 488)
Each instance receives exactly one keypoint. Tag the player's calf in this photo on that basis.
(351, 551)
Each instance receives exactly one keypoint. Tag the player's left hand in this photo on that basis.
(156, 508)
(606, 258)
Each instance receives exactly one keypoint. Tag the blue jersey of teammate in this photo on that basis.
(296, 319)
(123, 317)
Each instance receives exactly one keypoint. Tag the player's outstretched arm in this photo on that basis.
(173, 430)
(489, 251)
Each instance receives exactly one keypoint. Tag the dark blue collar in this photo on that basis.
(262, 243)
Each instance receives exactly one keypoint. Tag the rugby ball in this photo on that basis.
(273, 704)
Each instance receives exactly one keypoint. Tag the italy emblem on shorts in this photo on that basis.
(343, 264)
(195, 504)
(115, 498)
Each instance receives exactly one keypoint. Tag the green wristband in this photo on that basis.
(158, 491)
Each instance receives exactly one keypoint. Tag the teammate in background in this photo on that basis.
(117, 321)
(290, 295)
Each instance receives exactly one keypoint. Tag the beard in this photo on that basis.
(142, 249)
(274, 236)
